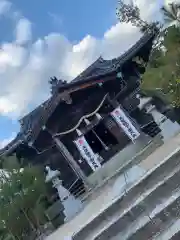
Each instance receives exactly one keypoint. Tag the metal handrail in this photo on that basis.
(73, 184)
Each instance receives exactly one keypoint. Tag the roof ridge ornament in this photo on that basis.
(101, 59)
(55, 84)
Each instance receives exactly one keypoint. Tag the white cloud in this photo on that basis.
(4, 6)
(149, 10)
(25, 69)
(4, 142)
(23, 31)
(11, 55)
(7, 106)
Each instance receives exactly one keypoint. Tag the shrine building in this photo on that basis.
(84, 124)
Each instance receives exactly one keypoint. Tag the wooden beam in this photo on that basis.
(74, 87)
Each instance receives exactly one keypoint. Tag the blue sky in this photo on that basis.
(59, 37)
(72, 18)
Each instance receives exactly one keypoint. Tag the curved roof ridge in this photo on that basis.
(88, 69)
(101, 63)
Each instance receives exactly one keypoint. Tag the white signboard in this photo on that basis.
(87, 153)
(124, 122)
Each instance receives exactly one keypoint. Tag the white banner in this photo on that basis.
(125, 123)
(87, 153)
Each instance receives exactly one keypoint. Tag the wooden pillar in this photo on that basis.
(62, 148)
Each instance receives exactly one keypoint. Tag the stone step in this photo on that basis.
(176, 235)
(159, 220)
(143, 187)
(143, 206)
(172, 232)
(164, 221)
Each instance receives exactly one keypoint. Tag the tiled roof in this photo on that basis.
(29, 121)
(102, 66)
(13, 144)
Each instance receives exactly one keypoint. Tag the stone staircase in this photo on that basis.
(147, 209)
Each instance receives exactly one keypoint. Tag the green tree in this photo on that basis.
(156, 59)
(163, 70)
(171, 14)
(21, 209)
(172, 39)
(131, 13)
(166, 75)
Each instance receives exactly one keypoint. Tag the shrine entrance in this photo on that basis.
(107, 144)
(100, 138)
(106, 139)
(104, 133)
